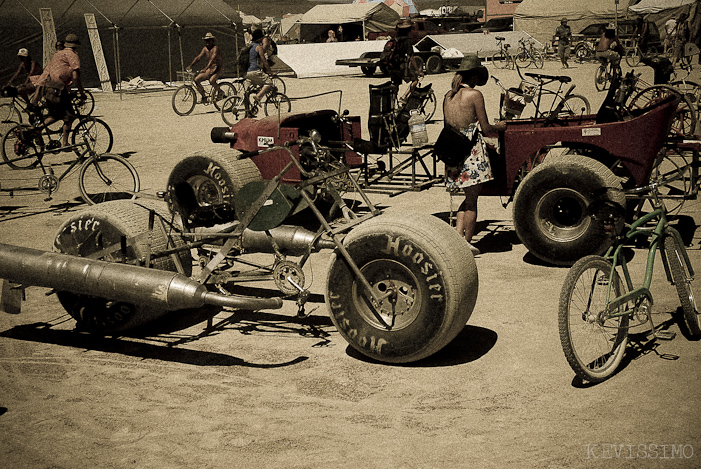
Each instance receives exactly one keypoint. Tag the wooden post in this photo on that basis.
(102, 71)
(49, 30)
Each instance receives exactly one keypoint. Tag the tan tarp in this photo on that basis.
(357, 19)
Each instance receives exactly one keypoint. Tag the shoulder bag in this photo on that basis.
(452, 147)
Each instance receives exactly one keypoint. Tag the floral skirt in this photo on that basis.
(476, 168)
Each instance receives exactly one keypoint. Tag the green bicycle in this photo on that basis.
(599, 303)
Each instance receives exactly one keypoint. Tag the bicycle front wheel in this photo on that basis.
(538, 59)
(682, 278)
(279, 84)
(95, 132)
(601, 78)
(22, 146)
(633, 57)
(593, 342)
(107, 177)
(684, 120)
(277, 103)
(226, 90)
(575, 105)
(184, 99)
(83, 107)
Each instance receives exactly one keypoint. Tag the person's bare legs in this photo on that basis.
(466, 217)
(198, 84)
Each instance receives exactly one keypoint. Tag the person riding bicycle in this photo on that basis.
(610, 49)
(402, 64)
(62, 72)
(33, 70)
(259, 72)
(213, 70)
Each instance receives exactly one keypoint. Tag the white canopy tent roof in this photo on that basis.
(657, 6)
(357, 19)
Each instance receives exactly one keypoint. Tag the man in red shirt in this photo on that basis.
(63, 67)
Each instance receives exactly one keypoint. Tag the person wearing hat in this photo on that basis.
(402, 66)
(610, 47)
(563, 36)
(63, 68)
(259, 72)
(31, 68)
(213, 70)
(464, 111)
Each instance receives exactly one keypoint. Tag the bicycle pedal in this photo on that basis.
(665, 335)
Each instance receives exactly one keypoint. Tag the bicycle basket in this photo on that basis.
(185, 76)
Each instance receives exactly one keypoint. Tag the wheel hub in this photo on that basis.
(560, 215)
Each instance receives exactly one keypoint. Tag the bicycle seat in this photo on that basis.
(560, 78)
(499, 38)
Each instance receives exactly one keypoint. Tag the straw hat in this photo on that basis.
(208, 36)
(471, 63)
(23, 52)
(404, 24)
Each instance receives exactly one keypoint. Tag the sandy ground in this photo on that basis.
(265, 391)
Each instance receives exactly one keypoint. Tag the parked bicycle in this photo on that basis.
(242, 103)
(101, 176)
(635, 55)
(605, 74)
(528, 54)
(186, 96)
(561, 103)
(599, 303)
(503, 58)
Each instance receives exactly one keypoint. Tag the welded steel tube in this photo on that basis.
(114, 281)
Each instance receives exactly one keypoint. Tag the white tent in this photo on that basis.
(658, 6)
(539, 18)
(357, 20)
(659, 11)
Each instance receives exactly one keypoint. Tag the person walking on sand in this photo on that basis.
(464, 111)
(213, 70)
(563, 36)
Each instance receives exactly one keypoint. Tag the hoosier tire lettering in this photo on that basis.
(424, 278)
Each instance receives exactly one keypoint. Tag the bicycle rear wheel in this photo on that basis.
(538, 59)
(227, 90)
(522, 58)
(279, 84)
(107, 177)
(277, 103)
(183, 100)
(602, 78)
(95, 132)
(499, 60)
(682, 278)
(9, 117)
(593, 342)
(232, 109)
(684, 121)
(633, 56)
(575, 105)
(22, 146)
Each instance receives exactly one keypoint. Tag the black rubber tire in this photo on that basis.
(116, 179)
(9, 117)
(684, 122)
(434, 64)
(582, 52)
(227, 90)
(428, 106)
(575, 105)
(499, 60)
(601, 79)
(84, 107)
(436, 276)
(522, 58)
(97, 228)
(214, 175)
(368, 70)
(184, 100)
(18, 151)
(233, 109)
(276, 103)
(682, 279)
(550, 208)
(633, 57)
(593, 348)
(538, 59)
(97, 132)
(279, 84)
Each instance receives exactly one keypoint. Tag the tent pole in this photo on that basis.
(180, 44)
(117, 63)
(170, 59)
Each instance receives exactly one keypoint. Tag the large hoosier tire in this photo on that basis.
(97, 232)
(550, 208)
(214, 175)
(682, 278)
(433, 272)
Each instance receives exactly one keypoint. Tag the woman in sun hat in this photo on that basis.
(33, 70)
(463, 109)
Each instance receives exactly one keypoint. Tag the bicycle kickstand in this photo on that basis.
(660, 334)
